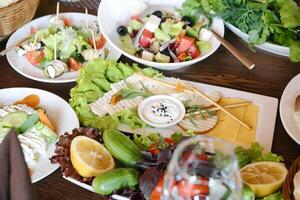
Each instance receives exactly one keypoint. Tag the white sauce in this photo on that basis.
(297, 118)
(162, 112)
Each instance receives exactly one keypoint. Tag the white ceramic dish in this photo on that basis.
(59, 112)
(265, 123)
(267, 46)
(111, 14)
(287, 108)
(22, 65)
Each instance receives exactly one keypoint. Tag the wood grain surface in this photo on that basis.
(269, 77)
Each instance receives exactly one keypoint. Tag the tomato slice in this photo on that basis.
(99, 40)
(145, 38)
(182, 56)
(194, 51)
(157, 191)
(34, 57)
(185, 43)
(73, 64)
(33, 30)
(67, 21)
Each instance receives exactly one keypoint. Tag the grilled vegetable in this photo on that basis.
(114, 180)
(121, 147)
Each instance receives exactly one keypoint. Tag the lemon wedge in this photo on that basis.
(264, 178)
(89, 157)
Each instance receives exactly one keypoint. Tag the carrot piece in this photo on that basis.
(31, 101)
(115, 99)
(45, 120)
(179, 87)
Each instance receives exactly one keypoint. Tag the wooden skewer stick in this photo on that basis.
(55, 56)
(203, 96)
(18, 43)
(221, 108)
(86, 18)
(235, 105)
(57, 10)
(93, 37)
(241, 57)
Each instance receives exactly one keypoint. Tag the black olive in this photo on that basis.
(122, 30)
(163, 19)
(157, 13)
(298, 35)
(187, 20)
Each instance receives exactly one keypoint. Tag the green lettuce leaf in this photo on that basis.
(254, 154)
(274, 196)
(290, 14)
(95, 79)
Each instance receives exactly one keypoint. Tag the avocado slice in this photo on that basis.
(127, 44)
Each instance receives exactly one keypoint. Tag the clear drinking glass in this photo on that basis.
(203, 168)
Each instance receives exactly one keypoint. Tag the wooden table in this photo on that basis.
(269, 77)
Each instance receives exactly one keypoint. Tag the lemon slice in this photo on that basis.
(264, 178)
(89, 157)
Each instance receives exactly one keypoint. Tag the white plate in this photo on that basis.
(287, 106)
(22, 65)
(59, 112)
(267, 46)
(111, 14)
(265, 123)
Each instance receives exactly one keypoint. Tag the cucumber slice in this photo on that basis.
(16, 119)
(29, 123)
(50, 135)
(4, 128)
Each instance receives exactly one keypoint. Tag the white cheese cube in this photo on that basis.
(204, 34)
(153, 23)
(147, 56)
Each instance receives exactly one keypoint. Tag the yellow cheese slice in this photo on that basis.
(230, 130)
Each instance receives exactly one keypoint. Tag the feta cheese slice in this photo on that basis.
(153, 23)
(204, 34)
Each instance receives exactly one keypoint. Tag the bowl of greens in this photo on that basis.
(273, 26)
(154, 33)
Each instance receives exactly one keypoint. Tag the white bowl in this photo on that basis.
(113, 13)
(159, 99)
(267, 46)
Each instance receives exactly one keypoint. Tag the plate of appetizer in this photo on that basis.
(119, 97)
(123, 167)
(154, 33)
(290, 108)
(270, 26)
(56, 46)
(39, 117)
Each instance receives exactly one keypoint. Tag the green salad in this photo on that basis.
(275, 21)
(95, 80)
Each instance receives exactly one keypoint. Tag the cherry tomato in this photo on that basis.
(73, 64)
(145, 38)
(185, 43)
(153, 149)
(67, 21)
(194, 51)
(202, 156)
(169, 141)
(33, 30)
(35, 57)
(187, 190)
(99, 40)
(136, 17)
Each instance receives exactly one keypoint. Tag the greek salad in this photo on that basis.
(165, 37)
(62, 47)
